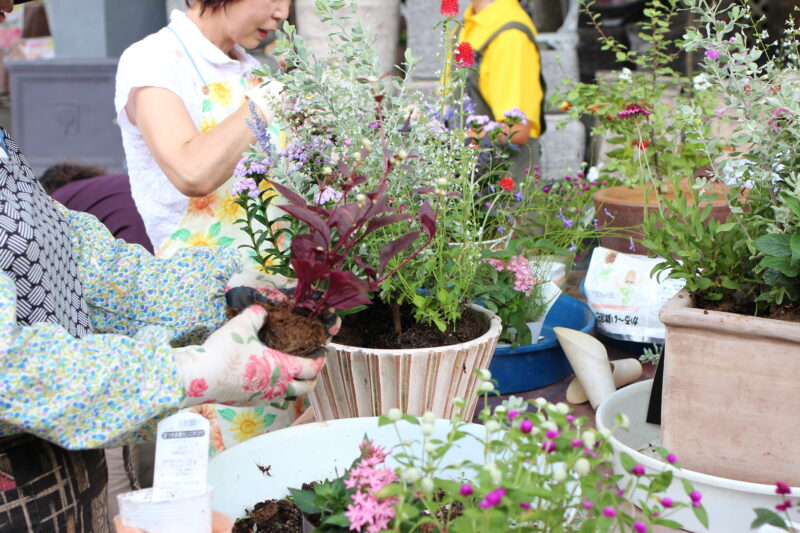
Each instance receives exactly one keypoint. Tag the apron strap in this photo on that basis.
(189, 55)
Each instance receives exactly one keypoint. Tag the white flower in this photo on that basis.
(625, 74)
(494, 472)
(484, 374)
(492, 426)
(582, 466)
(327, 171)
(559, 473)
(356, 156)
(410, 475)
(428, 418)
(402, 154)
(443, 182)
(426, 484)
(430, 447)
(366, 143)
(486, 386)
(549, 424)
(593, 174)
(361, 199)
(459, 402)
(562, 408)
(701, 82)
(589, 438)
(428, 429)
(540, 402)
(500, 410)
(605, 432)
(394, 414)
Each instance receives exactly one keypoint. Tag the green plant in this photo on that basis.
(780, 519)
(349, 124)
(633, 111)
(750, 262)
(543, 469)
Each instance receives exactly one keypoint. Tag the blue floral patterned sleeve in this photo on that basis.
(126, 288)
(98, 391)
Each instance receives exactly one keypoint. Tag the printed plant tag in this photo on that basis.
(181, 466)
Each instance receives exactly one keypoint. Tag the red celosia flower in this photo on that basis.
(564, 106)
(641, 145)
(507, 183)
(465, 57)
(782, 488)
(449, 8)
(633, 110)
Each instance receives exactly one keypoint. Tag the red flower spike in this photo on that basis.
(449, 8)
(507, 183)
(465, 56)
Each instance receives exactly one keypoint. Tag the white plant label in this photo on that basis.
(181, 466)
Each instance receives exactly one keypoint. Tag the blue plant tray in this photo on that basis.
(538, 365)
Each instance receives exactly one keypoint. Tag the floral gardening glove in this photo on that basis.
(233, 367)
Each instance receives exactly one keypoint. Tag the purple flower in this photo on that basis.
(712, 53)
(491, 126)
(477, 121)
(548, 446)
(781, 506)
(247, 185)
(666, 502)
(637, 470)
(609, 512)
(512, 415)
(632, 247)
(327, 195)
(546, 190)
(570, 418)
(501, 230)
(607, 213)
(552, 433)
(640, 527)
(782, 488)
(525, 505)
(373, 125)
(696, 497)
(517, 114)
(493, 498)
(587, 504)
(576, 443)
(633, 111)
(526, 426)
(466, 490)
(671, 459)
(518, 196)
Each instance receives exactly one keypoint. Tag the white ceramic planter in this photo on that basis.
(729, 503)
(368, 382)
(380, 17)
(313, 452)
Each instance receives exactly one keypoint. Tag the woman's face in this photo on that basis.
(249, 22)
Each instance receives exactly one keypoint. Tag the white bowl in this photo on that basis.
(314, 452)
(730, 503)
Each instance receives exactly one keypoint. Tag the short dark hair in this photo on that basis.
(59, 175)
(213, 5)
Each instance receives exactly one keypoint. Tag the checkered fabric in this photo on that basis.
(44, 488)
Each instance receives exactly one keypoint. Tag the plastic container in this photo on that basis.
(538, 365)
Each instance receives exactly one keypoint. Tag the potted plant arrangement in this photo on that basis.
(633, 112)
(529, 466)
(353, 131)
(732, 338)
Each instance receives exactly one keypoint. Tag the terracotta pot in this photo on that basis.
(622, 209)
(729, 385)
(358, 382)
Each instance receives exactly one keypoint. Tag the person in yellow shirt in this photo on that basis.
(507, 72)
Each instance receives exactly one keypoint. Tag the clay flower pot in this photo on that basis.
(730, 381)
(358, 382)
(621, 209)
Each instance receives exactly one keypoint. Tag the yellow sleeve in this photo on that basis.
(510, 76)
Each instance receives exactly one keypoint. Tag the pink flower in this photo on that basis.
(666, 502)
(493, 498)
(512, 415)
(634, 110)
(526, 426)
(784, 506)
(712, 53)
(525, 505)
(552, 433)
(671, 459)
(449, 8)
(548, 446)
(587, 504)
(640, 527)
(609, 512)
(197, 388)
(466, 490)
(368, 512)
(576, 443)
(782, 488)
(696, 497)
(465, 56)
(637, 470)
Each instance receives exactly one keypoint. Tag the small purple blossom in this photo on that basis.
(493, 498)
(587, 504)
(671, 458)
(476, 121)
(516, 114)
(666, 502)
(570, 418)
(633, 111)
(609, 512)
(247, 185)
(782, 488)
(712, 53)
(526, 426)
(696, 497)
(552, 433)
(512, 415)
(466, 490)
(525, 505)
(548, 446)
(632, 246)
(518, 196)
(491, 126)
(576, 443)
(637, 470)
(327, 195)
(373, 125)
(640, 527)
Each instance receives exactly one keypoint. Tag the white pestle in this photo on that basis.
(590, 363)
(624, 372)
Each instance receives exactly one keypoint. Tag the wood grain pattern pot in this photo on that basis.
(622, 210)
(358, 382)
(730, 384)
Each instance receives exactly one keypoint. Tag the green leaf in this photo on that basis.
(227, 414)
(774, 244)
(237, 338)
(181, 235)
(224, 241)
(627, 461)
(725, 227)
(701, 514)
(794, 244)
(214, 229)
(767, 516)
(305, 500)
(269, 419)
(784, 265)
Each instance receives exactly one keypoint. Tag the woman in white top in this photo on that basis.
(181, 101)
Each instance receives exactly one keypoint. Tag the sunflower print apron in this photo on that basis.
(211, 221)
